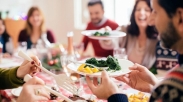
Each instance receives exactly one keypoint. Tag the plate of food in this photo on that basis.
(16, 92)
(91, 98)
(103, 34)
(114, 67)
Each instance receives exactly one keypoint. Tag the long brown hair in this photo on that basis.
(133, 29)
(28, 26)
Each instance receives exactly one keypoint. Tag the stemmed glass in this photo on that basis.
(78, 50)
(65, 60)
(22, 46)
(120, 53)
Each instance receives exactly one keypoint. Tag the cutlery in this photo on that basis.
(28, 77)
(62, 80)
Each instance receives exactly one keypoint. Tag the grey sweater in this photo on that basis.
(129, 42)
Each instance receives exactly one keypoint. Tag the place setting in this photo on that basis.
(103, 34)
(91, 50)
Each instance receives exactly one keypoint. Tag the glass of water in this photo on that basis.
(120, 53)
(22, 46)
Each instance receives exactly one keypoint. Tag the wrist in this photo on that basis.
(19, 75)
(113, 92)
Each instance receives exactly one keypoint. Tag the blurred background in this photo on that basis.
(61, 16)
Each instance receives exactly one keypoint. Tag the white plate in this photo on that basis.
(5, 63)
(113, 34)
(16, 92)
(125, 64)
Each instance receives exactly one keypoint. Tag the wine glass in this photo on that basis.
(78, 50)
(120, 53)
(22, 46)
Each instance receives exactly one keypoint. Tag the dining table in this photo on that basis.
(7, 95)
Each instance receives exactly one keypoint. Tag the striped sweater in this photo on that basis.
(171, 89)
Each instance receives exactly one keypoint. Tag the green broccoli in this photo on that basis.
(101, 34)
(102, 63)
(113, 63)
(97, 34)
(106, 34)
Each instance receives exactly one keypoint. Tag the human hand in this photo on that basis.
(139, 78)
(6, 55)
(107, 42)
(103, 90)
(28, 67)
(34, 91)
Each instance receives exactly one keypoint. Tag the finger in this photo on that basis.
(95, 81)
(105, 75)
(126, 79)
(42, 91)
(35, 58)
(90, 83)
(27, 64)
(123, 79)
(138, 67)
(41, 98)
(33, 68)
(126, 75)
(35, 80)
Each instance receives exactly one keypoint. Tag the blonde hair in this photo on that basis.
(28, 26)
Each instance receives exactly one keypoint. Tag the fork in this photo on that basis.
(62, 80)
(28, 77)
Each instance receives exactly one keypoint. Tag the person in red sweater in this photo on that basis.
(98, 21)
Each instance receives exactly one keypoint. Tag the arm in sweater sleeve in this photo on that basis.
(118, 98)
(9, 79)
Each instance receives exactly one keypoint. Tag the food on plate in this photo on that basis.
(79, 99)
(140, 97)
(111, 63)
(101, 34)
(87, 69)
(95, 62)
(52, 96)
(106, 30)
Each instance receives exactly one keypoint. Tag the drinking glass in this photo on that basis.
(120, 53)
(22, 46)
(78, 50)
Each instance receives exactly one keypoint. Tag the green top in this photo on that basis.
(9, 79)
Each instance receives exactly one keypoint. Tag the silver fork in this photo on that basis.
(62, 80)
(28, 77)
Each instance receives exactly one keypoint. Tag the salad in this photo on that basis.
(110, 63)
(106, 30)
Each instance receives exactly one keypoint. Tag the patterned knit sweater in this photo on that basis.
(171, 89)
